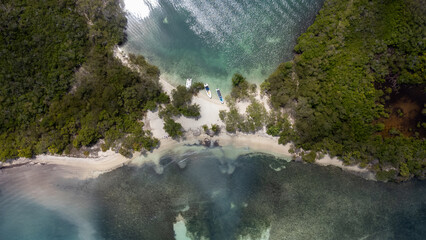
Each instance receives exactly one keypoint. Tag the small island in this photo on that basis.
(354, 91)
(97, 142)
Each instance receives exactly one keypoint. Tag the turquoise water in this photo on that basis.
(211, 40)
(219, 198)
(26, 220)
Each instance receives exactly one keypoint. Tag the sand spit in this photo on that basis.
(84, 168)
(81, 168)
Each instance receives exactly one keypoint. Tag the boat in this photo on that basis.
(188, 83)
(220, 95)
(209, 93)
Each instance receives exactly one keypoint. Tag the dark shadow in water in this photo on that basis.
(299, 202)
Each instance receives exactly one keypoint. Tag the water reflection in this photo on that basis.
(211, 40)
(298, 201)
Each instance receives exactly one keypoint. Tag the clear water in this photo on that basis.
(209, 41)
(26, 220)
(218, 197)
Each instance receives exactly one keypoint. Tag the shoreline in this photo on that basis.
(84, 168)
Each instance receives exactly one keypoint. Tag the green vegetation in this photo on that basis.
(205, 128)
(252, 121)
(168, 111)
(215, 129)
(181, 103)
(240, 87)
(256, 115)
(181, 96)
(231, 118)
(173, 128)
(348, 65)
(278, 125)
(309, 157)
(61, 87)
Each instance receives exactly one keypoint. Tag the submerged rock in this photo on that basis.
(207, 142)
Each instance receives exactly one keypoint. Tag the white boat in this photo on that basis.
(209, 93)
(219, 95)
(188, 83)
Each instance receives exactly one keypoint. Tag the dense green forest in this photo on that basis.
(60, 86)
(356, 86)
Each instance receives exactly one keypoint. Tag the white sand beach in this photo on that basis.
(209, 109)
(74, 167)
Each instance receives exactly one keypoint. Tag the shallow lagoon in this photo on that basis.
(211, 40)
(219, 194)
(221, 198)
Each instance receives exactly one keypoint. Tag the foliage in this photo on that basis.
(173, 128)
(348, 63)
(215, 129)
(255, 115)
(190, 110)
(196, 87)
(240, 87)
(309, 157)
(386, 175)
(254, 119)
(163, 98)
(168, 111)
(232, 119)
(280, 85)
(125, 152)
(182, 98)
(222, 115)
(38, 57)
(278, 125)
(205, 128)
(86, 136)
(61, 87)
(104, 147)
(142, 63)
(238, 80)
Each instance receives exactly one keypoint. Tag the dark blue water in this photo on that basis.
(301, 201)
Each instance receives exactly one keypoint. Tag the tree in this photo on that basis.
(190, 110)
(341, 80)
(240, 87)
(173, 128)
(256, 115)
(63, 86)
(309, 157)
(205, 128)
(181, 96)
(237, 80)
(85, 137)
(216, 129)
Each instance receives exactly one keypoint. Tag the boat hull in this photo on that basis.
(219, 95)
(188, 83)
(209, 93)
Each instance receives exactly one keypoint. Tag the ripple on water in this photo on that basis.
(301, 201)
(211, 40)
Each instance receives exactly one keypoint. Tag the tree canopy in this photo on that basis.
(348, 66)
(61, 88)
